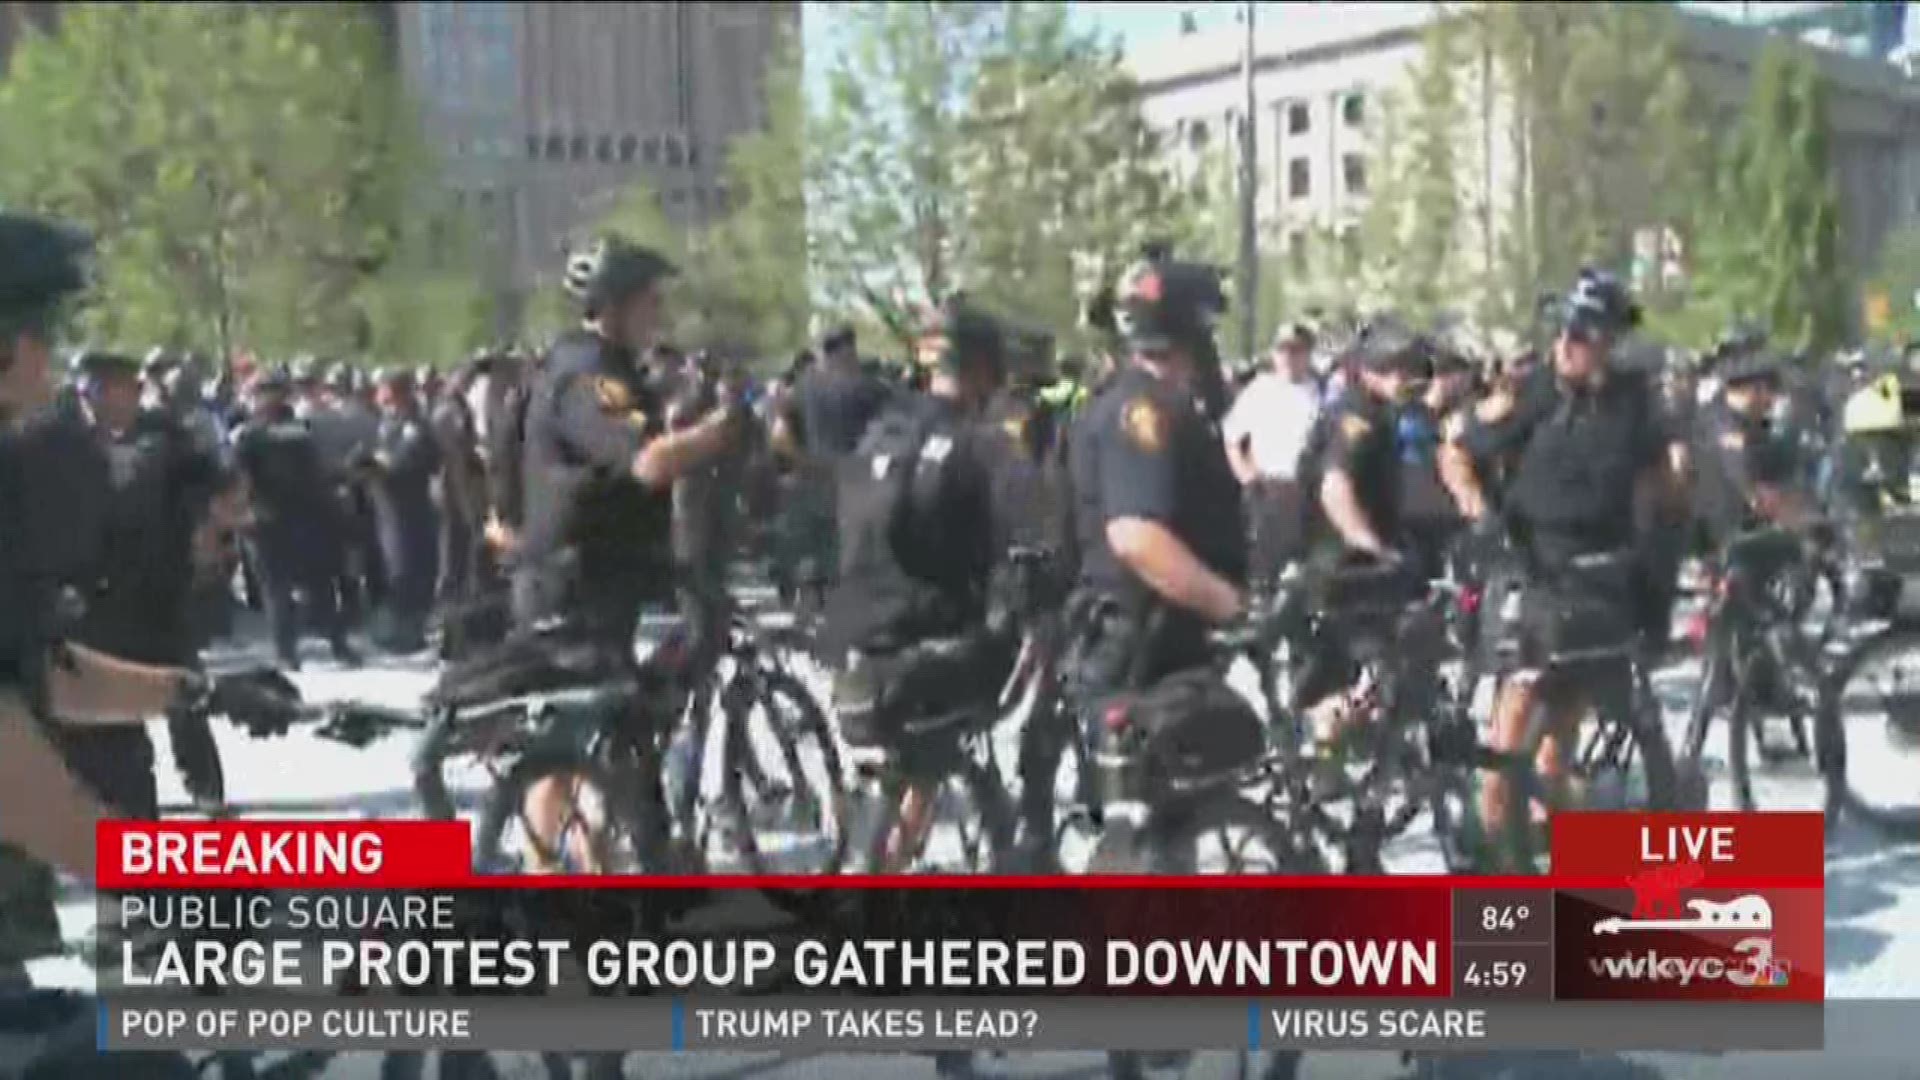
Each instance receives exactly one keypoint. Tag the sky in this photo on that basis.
(1139, 24)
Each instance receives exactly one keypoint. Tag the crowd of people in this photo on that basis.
(610, 472)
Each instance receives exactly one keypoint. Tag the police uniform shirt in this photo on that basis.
(1736, 455)
(25, 601)
(140, 605)
(1143, 450)
(834, 408)
(284, 471)
(1360, 438)
(590, 414)
(1577, 457)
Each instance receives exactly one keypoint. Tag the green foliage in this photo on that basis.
(888, 203)
(245, 168)
(1771, 247)
(1059, 169)
(1410, 231)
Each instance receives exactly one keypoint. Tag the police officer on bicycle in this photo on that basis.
(600, 462)
(1589, 462)
(1159, 523)
(1746, 469)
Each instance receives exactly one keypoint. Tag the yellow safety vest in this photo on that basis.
(1874, 407)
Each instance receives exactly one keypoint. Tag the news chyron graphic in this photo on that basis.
(376, 936)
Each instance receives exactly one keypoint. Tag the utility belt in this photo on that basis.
(1571, 609)
(1154, 734)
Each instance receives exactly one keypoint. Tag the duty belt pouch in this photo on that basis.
(1583, 612)
(1188, 730)
(877, 696)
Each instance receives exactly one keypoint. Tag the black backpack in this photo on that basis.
(895, 492)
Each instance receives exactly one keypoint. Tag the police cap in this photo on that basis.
(41, 264)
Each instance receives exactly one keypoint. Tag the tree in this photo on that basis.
(1059, 168)
(1411, 227)
(242, 165)
(886, 205)
(1604, 132)
(1773, 242)
(761, 243)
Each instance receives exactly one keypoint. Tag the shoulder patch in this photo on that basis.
(613, 394)
(1354, 426)
(1733, 440)
(1145, 423)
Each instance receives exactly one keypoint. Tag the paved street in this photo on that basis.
(1873, 931)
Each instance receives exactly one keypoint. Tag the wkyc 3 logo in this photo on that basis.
(1755, 965)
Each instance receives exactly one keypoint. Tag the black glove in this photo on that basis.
(196, 756)
(262, 700)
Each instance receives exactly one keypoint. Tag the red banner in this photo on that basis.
(282, 854)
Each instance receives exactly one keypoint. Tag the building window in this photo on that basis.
(1353, 109)
(1197, 135)
(533, 148)
(1299, 178)
(676, 197)
(579, 148)
(672, 155)
(1298, 118)
(556, 148)
(603, 149)
(1353, 171)
(628, 145)
(693, 153)
(650, 150)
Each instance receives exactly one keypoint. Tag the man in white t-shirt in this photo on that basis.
(1266, 432)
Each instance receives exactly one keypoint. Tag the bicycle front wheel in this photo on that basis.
(784, 786)
(1869, 731)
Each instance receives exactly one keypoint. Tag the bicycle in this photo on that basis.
(1758, 660)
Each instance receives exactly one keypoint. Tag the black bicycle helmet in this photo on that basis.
(1598, 306)
(1386, 343)
(611, 269)
(1161, 302)
(959, 331)
(42, 263)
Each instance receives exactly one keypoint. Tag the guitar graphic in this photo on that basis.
(1743, 913)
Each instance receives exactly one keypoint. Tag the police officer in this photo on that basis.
(43, 678)
(1156, 506)
(399, 472)
(599, 467)
(1746, 469)
(461, 487)
(600, 463)
(161, 489)
(1591, 473)
(1354, 456)
(295, 542)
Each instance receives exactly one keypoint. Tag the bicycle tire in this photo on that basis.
(625, 807)
(984, 793)
(1831, 738)
(810, 724)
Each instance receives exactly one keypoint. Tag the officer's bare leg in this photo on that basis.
(1511, 710)
(549, 812)
(44, 809)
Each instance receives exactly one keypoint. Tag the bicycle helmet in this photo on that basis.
(1598, 307)
(1161, 303)
(959, 331)
(42, 263)
(611, 269)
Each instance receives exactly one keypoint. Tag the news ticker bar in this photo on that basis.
(801, 1025)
